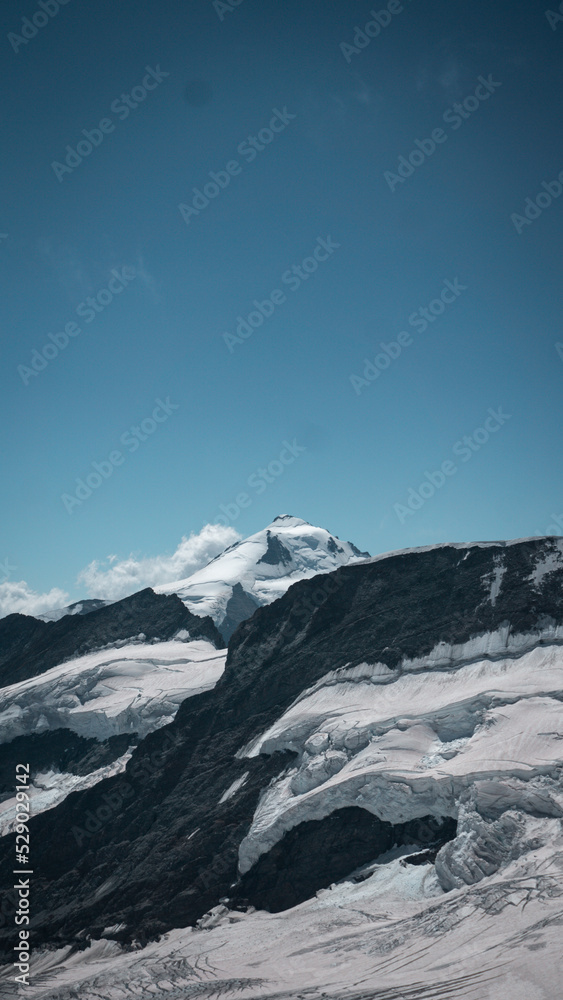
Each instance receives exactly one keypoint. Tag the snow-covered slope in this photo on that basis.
(263, 566)
(48, 789)
(393, 936)
(367, 805)
(475, 736)
(480, 739)
(129, 688)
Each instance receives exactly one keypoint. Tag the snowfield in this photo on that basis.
(407, 745)
(136, 687)
(294, 550)
(394, 936)
(480, 739)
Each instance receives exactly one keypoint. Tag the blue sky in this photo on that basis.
(361, 448)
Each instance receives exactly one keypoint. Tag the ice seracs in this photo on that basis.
(129, 688)
(422, 692)
(412, 743)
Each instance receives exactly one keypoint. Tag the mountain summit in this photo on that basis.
(367, 782)
(260, 569)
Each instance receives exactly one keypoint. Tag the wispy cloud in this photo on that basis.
(113, 579)
(17, 596)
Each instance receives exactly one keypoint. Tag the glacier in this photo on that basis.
(424, 689)
(134, 687)
(265, 565)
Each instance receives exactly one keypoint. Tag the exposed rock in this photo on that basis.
(241, 606)
(29, 647)
(60, 750)
(169, 851)
(315, 854)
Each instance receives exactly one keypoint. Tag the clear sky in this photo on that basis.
(303, 120)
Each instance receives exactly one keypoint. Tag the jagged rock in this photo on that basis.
(29, 647)
(163, 845)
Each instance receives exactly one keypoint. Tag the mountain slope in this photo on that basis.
(110, 675)
(259, 569)
(29, 647)
(423, 687)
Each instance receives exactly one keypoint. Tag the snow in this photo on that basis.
(473, 731)
(232, 789)
(496, 578)
(136, 687)
(208, 591)
(412, 746)
(396, 934)
(49, 788)
(551, 562)
(462, 546)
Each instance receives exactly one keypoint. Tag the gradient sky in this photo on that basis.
(322, 176)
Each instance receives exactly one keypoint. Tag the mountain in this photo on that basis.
(248, 574)
(108, 677)
(259, 569)
(367, 803)
(101, 669)
(29, 647)
(78, 608)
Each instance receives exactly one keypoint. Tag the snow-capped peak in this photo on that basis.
(259, 569)
(288, 521)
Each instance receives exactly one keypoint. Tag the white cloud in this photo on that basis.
(19, 597)
(113, 579)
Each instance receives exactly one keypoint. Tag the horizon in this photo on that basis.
(262, 257)
(106, 574)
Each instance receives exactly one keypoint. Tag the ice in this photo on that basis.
(413, 746)
(49, 788)
(396, 934)
(234, 787)
(310, 551)
(136, 687)
(495, 579)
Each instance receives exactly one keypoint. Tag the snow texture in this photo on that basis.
(136, 687)
(485, 716)
(294, 550)
(473, 731)
(49, 788)
(394, 936)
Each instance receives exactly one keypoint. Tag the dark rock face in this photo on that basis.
(166, 849)
(315, 854)
(60, 749)
(276, 554)
(357, 552)
(18, 633)
(29, 647)
(241, 605)
(333, 547)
